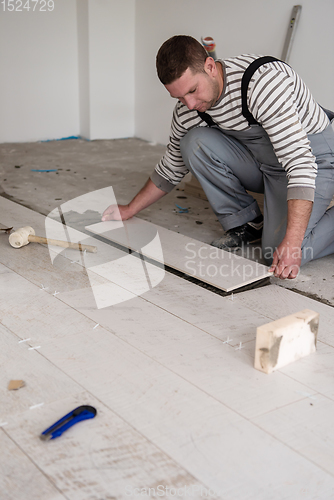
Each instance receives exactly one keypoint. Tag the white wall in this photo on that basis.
(111, 68)
(88, 67)
(238, 26)
(83, 67)
(67, 72)
(39, 73)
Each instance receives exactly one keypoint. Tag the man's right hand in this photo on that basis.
(117, 212)
(147, 195)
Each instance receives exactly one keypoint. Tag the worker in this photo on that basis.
(282, 146)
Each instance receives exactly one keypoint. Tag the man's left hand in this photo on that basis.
(286, 261)
(288, 255)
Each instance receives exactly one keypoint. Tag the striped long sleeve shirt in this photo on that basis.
(279, 101)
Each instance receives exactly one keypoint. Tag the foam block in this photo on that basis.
(285, 340)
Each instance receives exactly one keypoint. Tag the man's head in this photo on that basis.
(176, 55)
(188, 73)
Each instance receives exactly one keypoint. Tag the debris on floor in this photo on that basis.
(181, 210)
(14, 385)
(43, 169)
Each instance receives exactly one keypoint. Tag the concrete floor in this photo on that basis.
(125, 164)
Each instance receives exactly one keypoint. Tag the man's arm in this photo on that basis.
(147, 195)
(288, 255)
(281, 119)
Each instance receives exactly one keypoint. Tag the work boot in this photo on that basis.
(251, 232)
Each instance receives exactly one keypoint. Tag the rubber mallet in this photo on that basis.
(26, 235)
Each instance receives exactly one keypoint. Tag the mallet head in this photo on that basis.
(21, 237)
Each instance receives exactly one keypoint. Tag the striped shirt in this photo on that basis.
(279, 101)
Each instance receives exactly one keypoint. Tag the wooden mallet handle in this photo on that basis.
(64, 244)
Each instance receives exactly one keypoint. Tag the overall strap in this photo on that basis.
(244, 87)
(206, 118)
(245, 82)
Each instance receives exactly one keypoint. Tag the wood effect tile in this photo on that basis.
(220, 369)
(196, 432)
(276, 302)
(224, 270)
(20, 478)
(101, 458)
(18, 361)
(305, 426)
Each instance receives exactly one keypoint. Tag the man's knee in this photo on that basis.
(190, 143)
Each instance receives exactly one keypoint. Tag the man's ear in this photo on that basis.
(210, 66)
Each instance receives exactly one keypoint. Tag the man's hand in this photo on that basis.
(286, 261)
(288, 255)
(117, 212)
(147, 195)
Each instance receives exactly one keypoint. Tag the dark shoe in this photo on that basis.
(251, 232)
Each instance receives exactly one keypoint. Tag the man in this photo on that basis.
(288, 154)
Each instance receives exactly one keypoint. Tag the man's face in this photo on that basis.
(198, 91)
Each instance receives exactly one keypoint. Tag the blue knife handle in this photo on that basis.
(75, 416)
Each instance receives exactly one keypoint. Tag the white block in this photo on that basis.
(285, 340)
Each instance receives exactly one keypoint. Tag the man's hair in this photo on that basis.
(178, 54)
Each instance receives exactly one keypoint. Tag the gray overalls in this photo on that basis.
(227, 164)
(230, 163)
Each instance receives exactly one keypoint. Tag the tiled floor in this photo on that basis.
(125, 164)
(181, 410)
